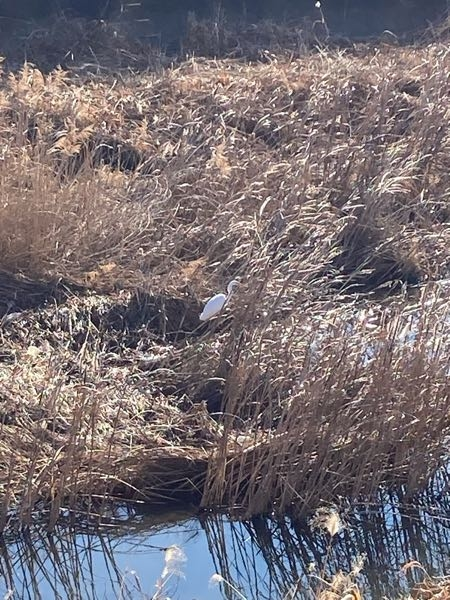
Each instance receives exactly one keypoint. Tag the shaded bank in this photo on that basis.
(69, 31)
(360, 17)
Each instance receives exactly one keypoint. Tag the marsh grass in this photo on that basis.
(323, 183)
(369, 375)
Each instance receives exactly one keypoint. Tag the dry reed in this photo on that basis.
(323, 183)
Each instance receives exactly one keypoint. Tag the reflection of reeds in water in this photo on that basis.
(84, 563)
(265, 558)
(270, 558)
(61, 565)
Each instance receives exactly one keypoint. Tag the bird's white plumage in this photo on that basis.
(215, 304)
(213, 307)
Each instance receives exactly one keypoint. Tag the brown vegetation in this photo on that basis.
(323, 183)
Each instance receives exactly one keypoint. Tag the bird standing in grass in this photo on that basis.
(218, 302)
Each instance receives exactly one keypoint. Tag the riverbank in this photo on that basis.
(322, 184)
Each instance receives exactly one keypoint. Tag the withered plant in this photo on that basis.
(322, 182)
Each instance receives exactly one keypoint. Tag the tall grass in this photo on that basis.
(323, 183)
(333, 407)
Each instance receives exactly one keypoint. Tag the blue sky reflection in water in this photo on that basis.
(123, 562)
(263, 559)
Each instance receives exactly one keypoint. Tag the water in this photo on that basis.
(122, 562)
(261, 559)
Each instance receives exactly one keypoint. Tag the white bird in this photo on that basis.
(218, 302)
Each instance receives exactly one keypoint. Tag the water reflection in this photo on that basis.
(264, 559)
(272, 559)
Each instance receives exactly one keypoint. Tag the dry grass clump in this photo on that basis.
(432, 589)
(333, 161)
(343, 587)
(321, 182)
(78, 421)
(337, 404)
